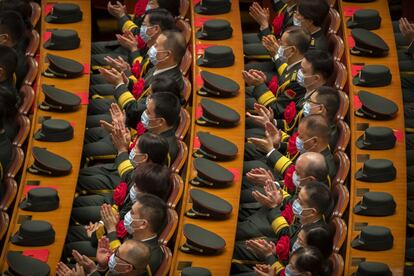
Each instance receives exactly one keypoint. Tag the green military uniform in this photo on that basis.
(319, 41)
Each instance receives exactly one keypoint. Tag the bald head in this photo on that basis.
(312, 166)
(137, 254)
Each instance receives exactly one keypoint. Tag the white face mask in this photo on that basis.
(296, 22)
(133, 194)
(296, 179)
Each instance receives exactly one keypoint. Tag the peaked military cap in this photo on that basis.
(359, 1)
(60, 67)
(372, 269)
(375, 107)
(206, 205)
(213, 7)
(217, 114)
(373, 76)
(41, 199)
(366, 19)
(373, 238)
(49, 163)
(54, 130)
(62, 40)
(21, 265)
(59, 100)
(376, 170)
(217, 57)
(34, 233)
(215, 148)
(195, 271)
(201, 241)
(377, 138)
(64, 13)
(368, 44)
(211, 174)
(216, 29)
(376, 204)
(409, 254)
(218, 86)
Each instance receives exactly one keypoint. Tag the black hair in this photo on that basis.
(173, 6)
(155, 146)
(329, 97)
(315, 10)
(321, 61)
(317, 125)
(310, 259)
(22, 7)
(154, 210)
(319, 197)
(153, 179)
(161, 83)
(167, 106)
(320, 236)
(12, 23)
(162, 18)
(8, 61)
(298, 37)
(175, 42)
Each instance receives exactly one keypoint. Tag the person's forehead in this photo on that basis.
(306, 65)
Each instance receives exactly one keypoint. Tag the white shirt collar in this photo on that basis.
(156, 72)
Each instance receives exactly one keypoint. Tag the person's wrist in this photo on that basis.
(133, 48)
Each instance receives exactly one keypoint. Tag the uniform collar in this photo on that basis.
(293, 65)
(156, 72)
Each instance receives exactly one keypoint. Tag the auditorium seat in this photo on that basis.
(334, 21)
(166, 262)
(187, 89)
(34, 42)
(9, 194)
(184, 6)
(184, 28)
(341, 195)
(186, 62)
(179, 161)
(17, 162)
(32, 71)
(177, 189)
(28, 96)
(24, 129)
(184, 124)
(340, 75)
(344, 135)
(4, 224)
(336, 46)
(340, 233)
(169, 229)
(343, 164)
(36, 12)
(337, 264)
(343, 106)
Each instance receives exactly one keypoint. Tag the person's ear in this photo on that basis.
(3, 39)
(145, 158)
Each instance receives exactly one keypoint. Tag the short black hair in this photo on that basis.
(12, 24)
(310, 259)
(22, 7)
(329, 97)
(175, 42)
(298, 37)
(319, 235)
(155, 146)
(173, 6)
(161, 83)
(153, 179)
(319, 197)
(318, 126)
(322, 62)
(8, 105)
(167, 106)
(162, 18)
(8, 60)
(315, 10)
(154, 210)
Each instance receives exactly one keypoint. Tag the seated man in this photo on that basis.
(144, 222)
(310, 15)
(161, 116)
(11, 34)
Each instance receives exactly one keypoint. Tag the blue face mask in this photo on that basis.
(290, 272)
(296, 22)
(152, 52)
(297, 208)
(300, 78)
(112, 263)
(132, 154)
(148, 7)
(143, 33)
(296, 246)
(296, 179)
(128, 223)
(145, 119)
(307, 109)
(133, 194)
(300, 146)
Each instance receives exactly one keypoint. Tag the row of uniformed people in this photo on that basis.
(291, 134)
(404, 37)
(14, 38)
(132, 117)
